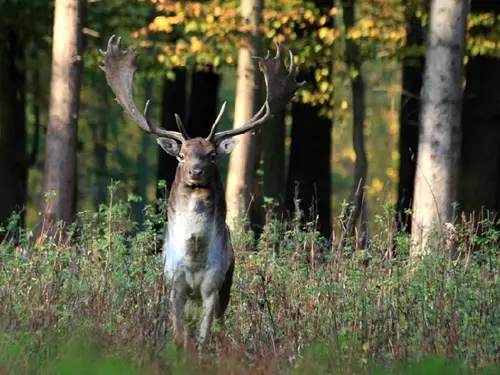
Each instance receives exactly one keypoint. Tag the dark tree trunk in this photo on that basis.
(309, 172)
(99, 140)
(13, 158)
(308, 180)
(273, 157)
(413, 69)
(203, 102)
(142, 176)
(479, 188)
(353, 60)
(174, 101)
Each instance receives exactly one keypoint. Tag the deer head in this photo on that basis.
(197, 157)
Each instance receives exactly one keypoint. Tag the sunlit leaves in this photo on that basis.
(198, 33)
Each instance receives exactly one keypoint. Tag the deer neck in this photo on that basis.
(208, 199)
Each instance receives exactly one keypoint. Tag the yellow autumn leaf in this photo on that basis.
(376, 186)
(355, 34)
(160, 23)
(196, 44)
(323, 32)
(322, 20)
(344, 105)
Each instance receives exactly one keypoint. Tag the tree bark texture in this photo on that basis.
(353, 60)
(273, 157)
(141, 179)
(60, 149)
(174, 101)
(413, 68)
(203, 103)
(479, 188)
(13, 158)
(242, 160)
(308, 181)
(438, 159)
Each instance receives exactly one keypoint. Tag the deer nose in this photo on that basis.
(195, 172)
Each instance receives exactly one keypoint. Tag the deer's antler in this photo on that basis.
(119, 66)
(281, 85)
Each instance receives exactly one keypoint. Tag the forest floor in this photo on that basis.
(95, 302)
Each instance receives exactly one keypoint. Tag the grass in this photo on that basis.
(95, 302)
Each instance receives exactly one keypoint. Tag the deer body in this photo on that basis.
(198, 255)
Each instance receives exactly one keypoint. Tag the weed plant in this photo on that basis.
(94, 301)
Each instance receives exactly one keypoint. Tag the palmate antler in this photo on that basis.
(280, 88)
(119, 66)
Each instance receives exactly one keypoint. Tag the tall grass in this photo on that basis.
(95, 302)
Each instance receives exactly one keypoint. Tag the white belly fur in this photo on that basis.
(186, 226)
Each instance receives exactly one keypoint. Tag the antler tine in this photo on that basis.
(280, 86)
(119, 67)
(181, 127)
(216, 122)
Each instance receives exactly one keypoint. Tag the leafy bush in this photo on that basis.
(95, 301)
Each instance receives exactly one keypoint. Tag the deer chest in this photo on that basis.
(191, 235)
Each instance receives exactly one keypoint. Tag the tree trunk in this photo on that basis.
(13, 158)
(413, 68)
(353, 60)
(141, 179)
(174, 101)
(60, 149)
(439, 144)
(273, 160)
(203, 101)
(479, 188)
(242, 160)
(309, 171)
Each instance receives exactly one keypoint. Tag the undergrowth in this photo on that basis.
(94, 301)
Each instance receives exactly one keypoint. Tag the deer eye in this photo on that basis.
(181, 157)
(213, 157)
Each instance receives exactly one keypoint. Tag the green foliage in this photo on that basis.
(99, 299)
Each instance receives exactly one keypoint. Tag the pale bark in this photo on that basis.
(440, 131)
(60, 149)
(242, 160)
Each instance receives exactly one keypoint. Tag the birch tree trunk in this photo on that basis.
(242, 160)
(60, 149)
(440, 130)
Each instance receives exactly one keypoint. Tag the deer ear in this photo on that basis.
(226, 145)
(169, 145)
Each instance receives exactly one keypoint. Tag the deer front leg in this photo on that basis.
(210, 298)
(209, 305)
(178, 297)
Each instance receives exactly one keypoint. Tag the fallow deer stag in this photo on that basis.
(198, 255)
